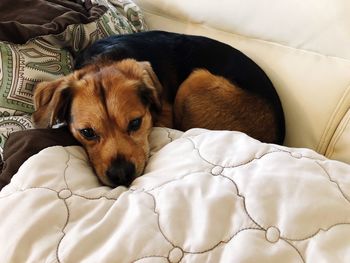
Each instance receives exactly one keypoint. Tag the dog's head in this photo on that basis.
(109, 111)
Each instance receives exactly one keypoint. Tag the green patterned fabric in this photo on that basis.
(51, 56)
(22, 66)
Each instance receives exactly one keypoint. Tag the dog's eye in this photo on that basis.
(88, 134)
(134, 125)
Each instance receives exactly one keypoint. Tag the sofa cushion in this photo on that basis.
(339, 146)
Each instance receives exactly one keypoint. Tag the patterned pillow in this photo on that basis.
(48, 57)
(22, 66)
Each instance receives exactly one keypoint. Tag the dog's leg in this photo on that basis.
(208, 101)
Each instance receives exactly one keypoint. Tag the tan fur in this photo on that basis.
(105, 97)
(212, 102)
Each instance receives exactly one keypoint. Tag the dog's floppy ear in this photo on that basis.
(152, 91)
(52, 101)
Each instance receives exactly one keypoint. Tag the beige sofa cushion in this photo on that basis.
(339, 145)
(302, 46)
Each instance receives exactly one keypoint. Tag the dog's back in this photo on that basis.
(174, 56)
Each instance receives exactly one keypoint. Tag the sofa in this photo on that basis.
(205, 196)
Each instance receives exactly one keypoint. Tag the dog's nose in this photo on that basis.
(121, 171)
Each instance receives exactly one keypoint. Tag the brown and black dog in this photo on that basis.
(124, 85)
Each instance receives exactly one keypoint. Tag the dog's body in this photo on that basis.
(113, 98)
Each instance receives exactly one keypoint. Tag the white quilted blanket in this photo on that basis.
(205, 197)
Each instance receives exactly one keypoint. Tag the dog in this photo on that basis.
(124, 85)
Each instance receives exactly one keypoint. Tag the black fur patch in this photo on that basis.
(147, 98)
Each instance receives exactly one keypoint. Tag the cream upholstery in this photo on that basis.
(303, 46)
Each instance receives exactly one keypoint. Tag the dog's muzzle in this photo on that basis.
(121, 171)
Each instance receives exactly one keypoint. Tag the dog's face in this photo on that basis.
(109, 111)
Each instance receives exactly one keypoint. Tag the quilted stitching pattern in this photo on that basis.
(206, 197)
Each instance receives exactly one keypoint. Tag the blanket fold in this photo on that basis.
(21, 20)
(23, 144)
